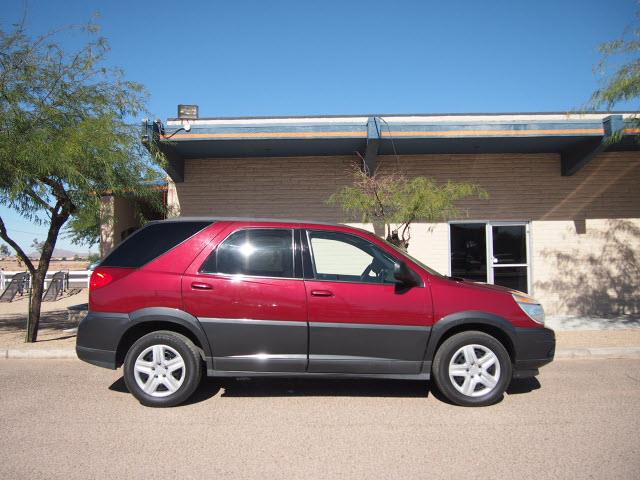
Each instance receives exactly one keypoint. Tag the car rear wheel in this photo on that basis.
(162, 369)
(472, 369)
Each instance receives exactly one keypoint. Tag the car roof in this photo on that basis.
(248, 219)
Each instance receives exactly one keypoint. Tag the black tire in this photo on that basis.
(442, 359)
(192, 368)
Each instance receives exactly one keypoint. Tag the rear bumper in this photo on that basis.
(94, 356)
(534, 347)
(98, 337)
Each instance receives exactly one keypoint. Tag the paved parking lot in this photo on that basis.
(66, 419)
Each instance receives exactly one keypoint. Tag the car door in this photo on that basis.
(360, 320)
(250, 299)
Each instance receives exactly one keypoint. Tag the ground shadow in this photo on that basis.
(57, 320)
(602, 282)
(523, 385)
(311, 387)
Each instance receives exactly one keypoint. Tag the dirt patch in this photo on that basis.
(20, 306)
(12, 265)
(53, 321)
(51, 334)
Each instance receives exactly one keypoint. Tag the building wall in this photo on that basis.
(585, 229)
(117, 216)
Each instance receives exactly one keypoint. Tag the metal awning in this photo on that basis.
(576, 137)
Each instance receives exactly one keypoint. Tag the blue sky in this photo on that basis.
(244, 58)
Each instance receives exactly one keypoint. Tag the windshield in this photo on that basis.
(414, 260)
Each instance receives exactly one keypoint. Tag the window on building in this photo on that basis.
(257, 252)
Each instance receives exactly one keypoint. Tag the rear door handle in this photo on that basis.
(201, 286)
(322, 293)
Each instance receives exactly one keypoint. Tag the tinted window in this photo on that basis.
(469, 251)
(150, 242)
(258, 252)
(342, 257)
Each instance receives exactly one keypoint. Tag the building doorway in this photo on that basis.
(492, 252)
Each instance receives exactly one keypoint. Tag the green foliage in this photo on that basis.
(4, 250)
(396, 201)
(65, 134)
(620, 69)
(66, 137)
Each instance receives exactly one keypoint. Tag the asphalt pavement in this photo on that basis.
(67, 419)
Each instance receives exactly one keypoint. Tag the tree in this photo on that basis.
(4, 250)
(37, 246)
(65, 138)
(396, 201)
(620, 68)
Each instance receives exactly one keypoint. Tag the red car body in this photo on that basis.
(245, 324)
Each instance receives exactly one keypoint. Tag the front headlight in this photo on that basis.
(530, 306)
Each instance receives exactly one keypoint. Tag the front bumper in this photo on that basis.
(98, 337)
(534, 347)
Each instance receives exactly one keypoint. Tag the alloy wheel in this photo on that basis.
(159, 370)
(474, 370)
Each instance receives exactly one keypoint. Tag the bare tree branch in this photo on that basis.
(16, 247)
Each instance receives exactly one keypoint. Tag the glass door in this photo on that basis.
(492, 252)
(509, 255)
(469, 251)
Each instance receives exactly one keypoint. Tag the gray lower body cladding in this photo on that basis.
(240, 347)
(245, 345)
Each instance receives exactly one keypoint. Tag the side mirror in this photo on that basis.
(403, 274)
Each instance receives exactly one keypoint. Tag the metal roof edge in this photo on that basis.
(435, 114)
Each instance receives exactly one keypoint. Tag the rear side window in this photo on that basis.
(257, 252)
(151, 242)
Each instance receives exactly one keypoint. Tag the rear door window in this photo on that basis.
(151, 242)
(257, 252)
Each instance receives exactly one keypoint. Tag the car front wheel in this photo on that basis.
(162, 369)
(472, 369)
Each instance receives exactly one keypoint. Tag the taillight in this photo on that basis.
(99, 279)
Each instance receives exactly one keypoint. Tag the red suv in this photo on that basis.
(242, 298)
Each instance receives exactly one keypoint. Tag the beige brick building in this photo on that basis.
(562, 220)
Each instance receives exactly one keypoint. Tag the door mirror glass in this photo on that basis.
(404, 275)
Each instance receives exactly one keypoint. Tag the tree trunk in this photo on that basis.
(37, 278)
(35, 302)
(394, 239)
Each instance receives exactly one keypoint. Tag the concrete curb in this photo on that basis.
(38, 354)
(601, 352)
(562, 354)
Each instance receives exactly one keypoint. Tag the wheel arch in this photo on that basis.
(147, 320)
(489, 323)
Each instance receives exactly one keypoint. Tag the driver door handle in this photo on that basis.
(322, 293)
(201, 286)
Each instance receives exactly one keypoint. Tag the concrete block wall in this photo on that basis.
(573, 219)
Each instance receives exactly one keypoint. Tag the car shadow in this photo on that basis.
(307, 387)
(302, 387)
(523, 385)
(297, 387)
(208, 388)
